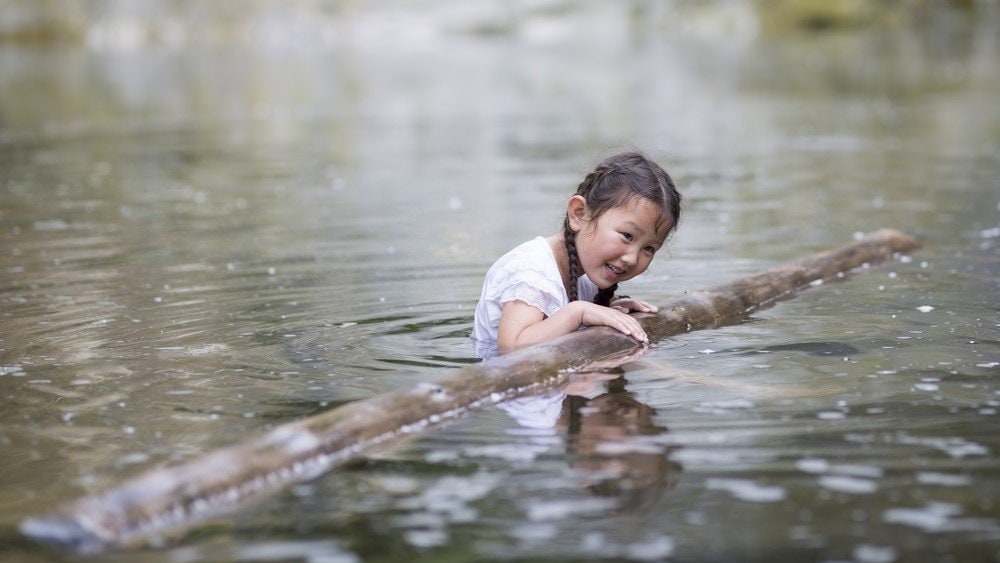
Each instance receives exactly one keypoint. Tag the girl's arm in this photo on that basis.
(522, 325)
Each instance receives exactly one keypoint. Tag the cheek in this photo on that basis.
(644, 263)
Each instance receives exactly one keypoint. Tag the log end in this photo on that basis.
(64, 532)
(898, 241)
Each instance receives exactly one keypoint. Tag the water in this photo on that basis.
(202, 242)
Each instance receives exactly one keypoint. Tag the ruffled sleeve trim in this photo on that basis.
(530, 285)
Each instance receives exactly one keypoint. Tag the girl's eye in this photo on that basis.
(627, 236)
(650, 250)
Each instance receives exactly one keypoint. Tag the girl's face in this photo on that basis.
(620, 243)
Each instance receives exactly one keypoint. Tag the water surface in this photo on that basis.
(201, 243)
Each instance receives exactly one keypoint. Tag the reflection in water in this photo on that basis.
(603, 440)
(604, 426)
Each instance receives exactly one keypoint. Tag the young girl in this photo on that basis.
(619, 217)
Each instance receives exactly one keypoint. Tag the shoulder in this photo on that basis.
(536, 248)
(527, 273)
(533, 255)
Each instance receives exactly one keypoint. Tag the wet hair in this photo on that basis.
(617, 181)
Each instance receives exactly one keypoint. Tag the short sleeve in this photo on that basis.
(529, 285)
(527, 273)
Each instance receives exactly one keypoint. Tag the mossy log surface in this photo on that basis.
(174, 497)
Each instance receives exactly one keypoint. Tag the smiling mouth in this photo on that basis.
(614, 270)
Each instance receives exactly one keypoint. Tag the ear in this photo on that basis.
(577, 212)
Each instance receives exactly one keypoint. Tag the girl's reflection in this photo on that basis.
(603, 425)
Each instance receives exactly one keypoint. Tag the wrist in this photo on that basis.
(575, 309)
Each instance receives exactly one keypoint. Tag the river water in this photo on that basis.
(202, 242)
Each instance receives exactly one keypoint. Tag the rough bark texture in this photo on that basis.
(167, 498)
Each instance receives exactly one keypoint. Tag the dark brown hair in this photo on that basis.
(615, 182)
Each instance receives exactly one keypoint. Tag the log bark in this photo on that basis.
(168, 498)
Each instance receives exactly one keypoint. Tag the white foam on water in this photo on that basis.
(506, 452)
(933, 517)
(440, 456)
(857, 470)
(746, 490)
(558, 509)
(208, 349)
(452, 491)
(426, 538)
(13, 370)
(654, 549)
(284, 550)
(708, 457)
(442, 503)
(956, 447)
(723, 406)
(812, 465)
(940, 517)
(846, 470)
(626, 446)
(925, 308)
(535, 532)
(845, 484)
(398, 484)
(50, 225)
(422, 520)
(867, 553)
(132, 459)
(944, 479)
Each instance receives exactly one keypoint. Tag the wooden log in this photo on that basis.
(173, 497)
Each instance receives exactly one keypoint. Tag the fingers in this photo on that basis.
(644, 306)
(631, 327)
(615, 318)
(635, 305)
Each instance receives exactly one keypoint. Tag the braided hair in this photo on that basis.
(614, 182)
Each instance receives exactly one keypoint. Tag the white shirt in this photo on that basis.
(528, 273)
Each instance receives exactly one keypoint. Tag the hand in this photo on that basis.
(614, 317)
(631, 304)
